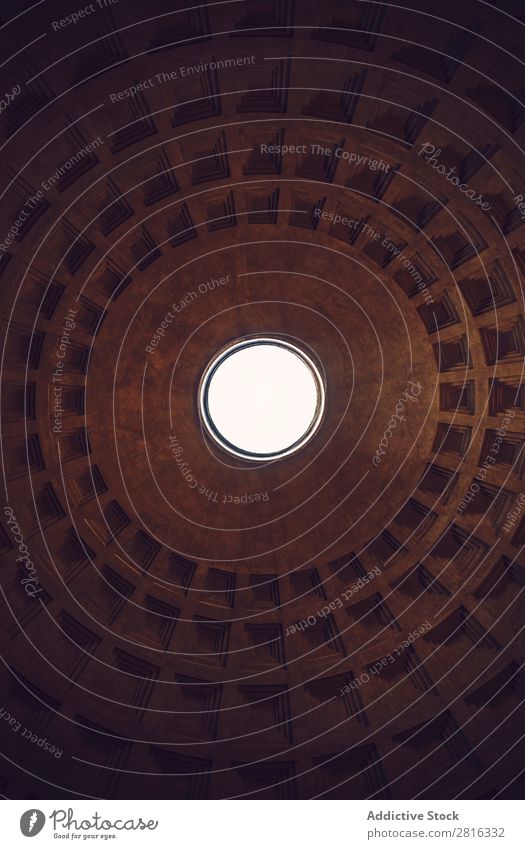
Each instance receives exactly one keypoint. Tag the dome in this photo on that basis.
(262, 400)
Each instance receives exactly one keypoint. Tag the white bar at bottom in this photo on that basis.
(257, 824)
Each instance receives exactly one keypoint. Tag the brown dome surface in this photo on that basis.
(344, 622)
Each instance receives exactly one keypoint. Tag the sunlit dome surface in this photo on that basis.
(262, 398)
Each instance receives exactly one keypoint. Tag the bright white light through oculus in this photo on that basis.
(262, 398)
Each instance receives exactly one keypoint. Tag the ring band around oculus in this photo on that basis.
(261, 398)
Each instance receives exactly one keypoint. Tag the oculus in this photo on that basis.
(261, 398)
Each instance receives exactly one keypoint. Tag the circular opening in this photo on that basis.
(261, 398)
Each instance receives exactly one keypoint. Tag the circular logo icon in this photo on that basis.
(32, 822)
